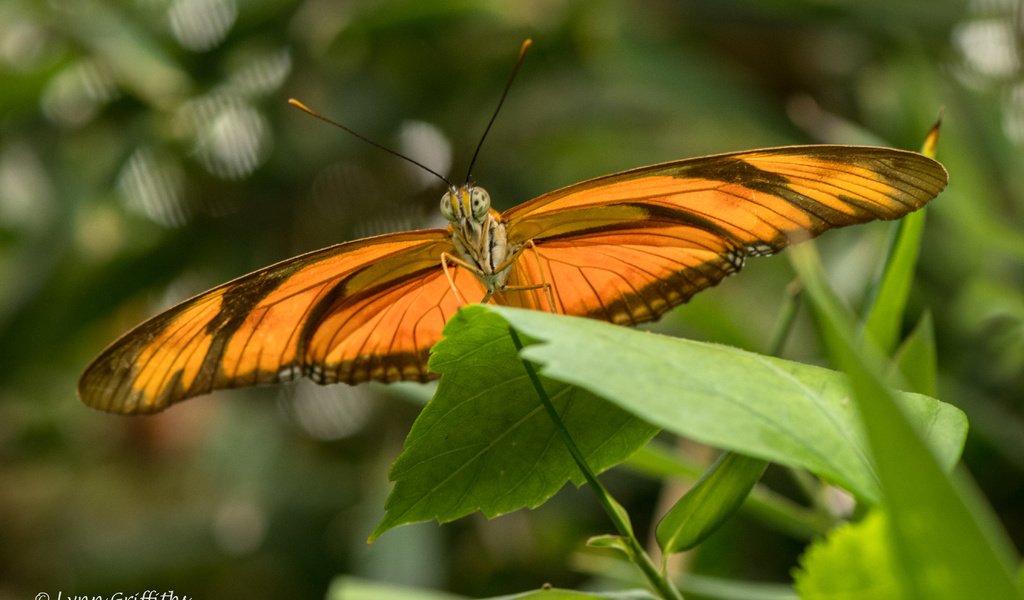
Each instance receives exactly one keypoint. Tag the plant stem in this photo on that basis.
(786, 319)
(618, 516)
(811, 487)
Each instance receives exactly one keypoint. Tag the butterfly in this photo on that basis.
(623, 248)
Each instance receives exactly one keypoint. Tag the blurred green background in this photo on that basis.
(147, 153)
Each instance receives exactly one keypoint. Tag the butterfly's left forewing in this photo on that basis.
(265, 327)
(627, 247)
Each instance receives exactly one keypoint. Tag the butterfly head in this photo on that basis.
(468, 203)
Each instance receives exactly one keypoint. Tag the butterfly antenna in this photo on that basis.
(309, 111)
(519, 62)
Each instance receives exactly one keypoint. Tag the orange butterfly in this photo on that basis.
(623, 248)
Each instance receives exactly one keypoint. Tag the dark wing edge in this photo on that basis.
(922, 171)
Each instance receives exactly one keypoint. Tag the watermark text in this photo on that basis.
(143, 595)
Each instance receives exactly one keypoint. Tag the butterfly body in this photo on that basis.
(479, 235)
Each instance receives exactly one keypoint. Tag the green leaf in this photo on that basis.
(710, 502)
(721, 588)
(854, 561)
(944, 539)
(355, 588)
(916, 361)
(777, 410)
(347, 587)
(763, 504)
(484, 442)
(615, 542)
(885, 317)
(560, 594)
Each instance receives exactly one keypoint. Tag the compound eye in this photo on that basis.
(446, 207)
(479, 203)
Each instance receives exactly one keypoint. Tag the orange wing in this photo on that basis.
(623, 248)
(627, 247)
(368, 309)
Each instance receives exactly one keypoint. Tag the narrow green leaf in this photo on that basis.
(616, 542)
(944, 539)
(710, 502)
(484, 442)
(916, 361)
(853, 561)
(763, 504)
(885, 316)
(777, 410)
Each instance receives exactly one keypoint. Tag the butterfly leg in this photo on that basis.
(544, 285)
(549, 289)
(445, 259)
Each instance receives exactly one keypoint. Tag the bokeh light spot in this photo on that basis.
(200, 25)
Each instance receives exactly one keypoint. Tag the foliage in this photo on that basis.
(147, 153)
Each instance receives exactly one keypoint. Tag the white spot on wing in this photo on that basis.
(316, 373)
(289, 373)
(760, 250)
